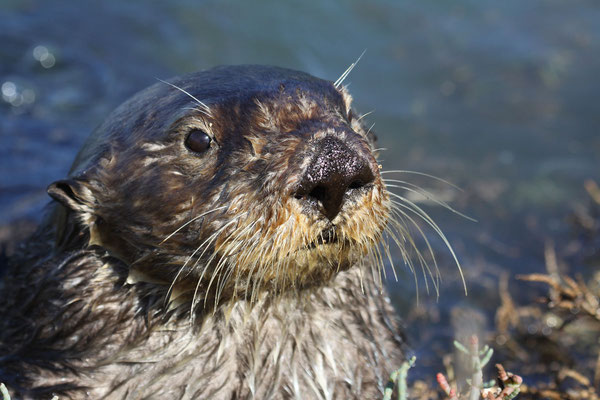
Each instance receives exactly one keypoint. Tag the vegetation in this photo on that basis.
(553, 342)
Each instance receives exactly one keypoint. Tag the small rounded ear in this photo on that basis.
(72, 194)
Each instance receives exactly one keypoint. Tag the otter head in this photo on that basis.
(229, 182)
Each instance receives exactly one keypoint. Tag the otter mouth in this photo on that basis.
(327, 236)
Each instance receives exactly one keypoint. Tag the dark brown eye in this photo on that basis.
(197, 141)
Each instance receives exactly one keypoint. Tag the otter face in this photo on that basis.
(229, 182)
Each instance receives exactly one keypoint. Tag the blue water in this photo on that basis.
(499, 98)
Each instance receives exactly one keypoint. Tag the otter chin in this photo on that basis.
(216, 237)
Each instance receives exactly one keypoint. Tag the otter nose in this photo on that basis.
(336, 171)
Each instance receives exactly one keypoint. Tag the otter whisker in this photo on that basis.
(213, 237)
(369, 260)
(257, 282)
(215, 272)
(407, 258)
(256, 270)
(400, 171)
(282, 266)
(277, 264)
(370, 128)
(379, 262)
(382, 256)
(422, 262)
(226, 265)
(222, 264)
(409, 205)
(249, 286)
(282, 270)
(429, 220)
(402, 230)
(341, 79)
(205, 108)
(405, 203)
(190, 221)
(376, 273)
(207, 264)
(411, 187)
(244, 260)
(404, 216)
(389, 256)
(364, 115)
(228, 253)
(382, 273)
(199, 109)
(189, 258)
(400, 214)
(264, 267)
(254, 265)
(287, 249)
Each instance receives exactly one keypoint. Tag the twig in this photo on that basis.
(510, 384)
(399, 376)
(4, 391)
(445, 386)
(478, 360)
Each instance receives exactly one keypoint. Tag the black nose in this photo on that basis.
(334, 171)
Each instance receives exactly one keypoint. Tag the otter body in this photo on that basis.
(216, 238)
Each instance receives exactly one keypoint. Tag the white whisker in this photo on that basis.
(399, 171)
(341, 79)
(405, 203)
(205, 109)
(190, 221)
(364, 115)
(411, 187)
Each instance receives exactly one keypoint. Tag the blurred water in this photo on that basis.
(500, 98)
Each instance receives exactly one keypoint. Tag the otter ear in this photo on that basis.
(72, 194)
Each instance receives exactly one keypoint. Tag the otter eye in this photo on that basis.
(197, 141)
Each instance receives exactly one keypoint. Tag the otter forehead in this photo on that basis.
(240, 84)
(269, 97)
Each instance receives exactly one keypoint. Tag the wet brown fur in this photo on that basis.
(161, 273)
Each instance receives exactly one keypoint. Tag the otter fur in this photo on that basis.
(216, 238)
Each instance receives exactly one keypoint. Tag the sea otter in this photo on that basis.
(216, 238)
